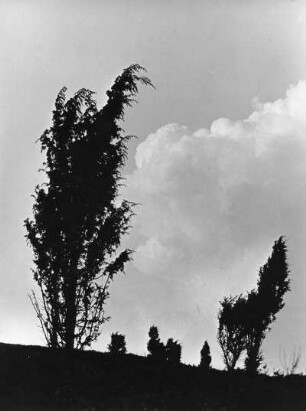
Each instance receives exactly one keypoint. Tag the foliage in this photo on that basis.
(117, 345)
(77, 220)
(156, 348)
(205, 356)
(173, 351)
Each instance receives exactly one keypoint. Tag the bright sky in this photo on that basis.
(219, 167)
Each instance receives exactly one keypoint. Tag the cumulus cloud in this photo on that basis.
(220, 190)
(212, 203)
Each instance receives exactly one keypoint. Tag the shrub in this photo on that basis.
(205, 356)
(173, 351)
(156, 348)
(117, 345)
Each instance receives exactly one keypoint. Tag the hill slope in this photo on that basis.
(38, 378)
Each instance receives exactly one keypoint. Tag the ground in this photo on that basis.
(43, 379)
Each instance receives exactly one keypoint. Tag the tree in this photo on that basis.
(244, 320)
(156, 348)
(205, 356)
(117, 345)
(264, 303)
(173, 351)
(231, 332)
(77, 220)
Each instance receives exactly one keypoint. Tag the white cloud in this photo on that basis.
(214, 200)
(219, 191)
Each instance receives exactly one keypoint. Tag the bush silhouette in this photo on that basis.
(173, 351)
(117, 345)
(205, 356)
(156, 348)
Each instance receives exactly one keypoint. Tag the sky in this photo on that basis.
(218, 168)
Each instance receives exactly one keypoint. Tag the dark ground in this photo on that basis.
(42, 379)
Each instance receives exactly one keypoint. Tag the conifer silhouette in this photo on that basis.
(245, 320)
(264, 303)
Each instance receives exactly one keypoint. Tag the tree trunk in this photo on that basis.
(70, 322)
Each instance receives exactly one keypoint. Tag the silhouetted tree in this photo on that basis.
(231, 332)
(205, 356)
(173, 351)
(244, 320)
(264, 303)
(78, 221)
(117, 345)
(156, 348)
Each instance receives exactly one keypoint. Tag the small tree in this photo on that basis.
(77, 220)
(117, 345)
(173, 351)
(231, 333)
(156, 348)
(205, 356)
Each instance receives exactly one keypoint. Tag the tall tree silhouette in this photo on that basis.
(244, 320)
(77, 220)
(264, 303)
